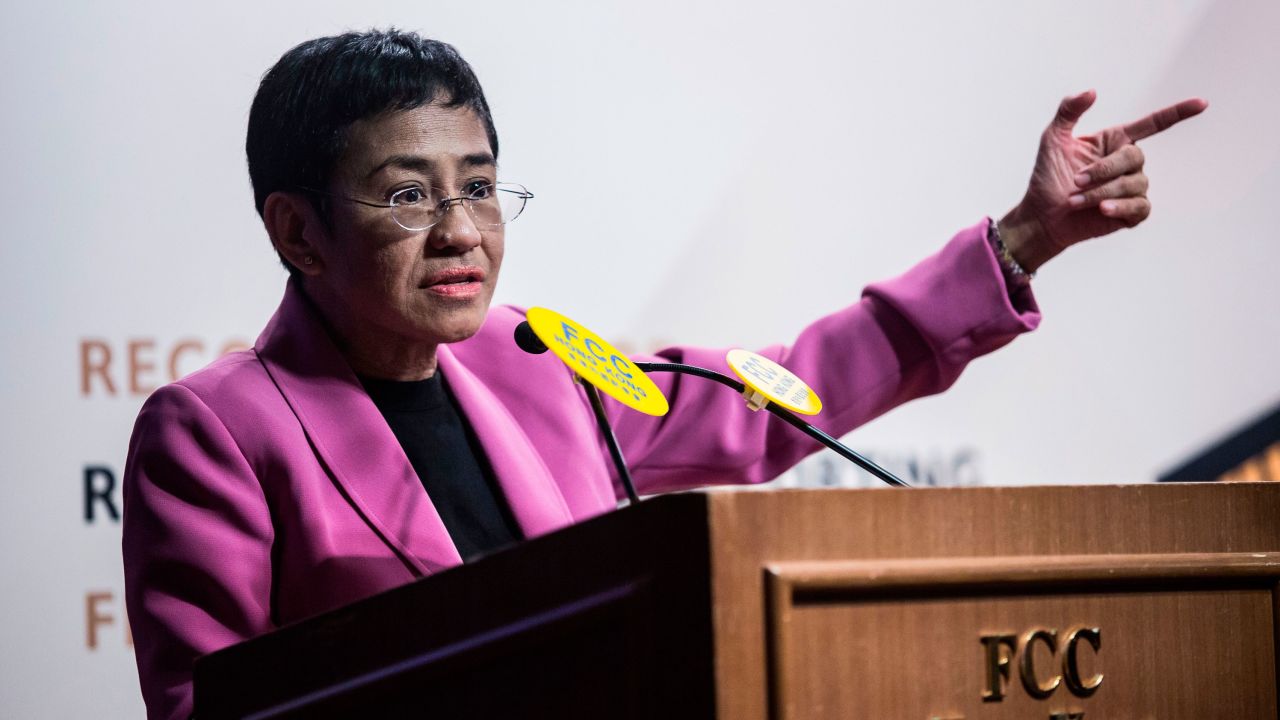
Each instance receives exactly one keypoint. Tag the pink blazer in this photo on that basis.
(267, 487)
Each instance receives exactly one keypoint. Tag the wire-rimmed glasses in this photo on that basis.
(416, 209)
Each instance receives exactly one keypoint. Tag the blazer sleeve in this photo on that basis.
(197, 538)
(905, 338)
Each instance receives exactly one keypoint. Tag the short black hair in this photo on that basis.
(309, 99)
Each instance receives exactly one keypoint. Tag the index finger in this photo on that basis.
(1161, 120)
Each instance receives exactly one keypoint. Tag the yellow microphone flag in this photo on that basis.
(597, 362)
(768, 381)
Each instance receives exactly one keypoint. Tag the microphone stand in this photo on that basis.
(787, 416)
(610, 439)
(528, 341)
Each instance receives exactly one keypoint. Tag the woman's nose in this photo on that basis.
(456, 230)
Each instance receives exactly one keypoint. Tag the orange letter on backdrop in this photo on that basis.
(93, 618)
(137, 366)
(91, 365)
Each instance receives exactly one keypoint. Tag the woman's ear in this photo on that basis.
(294, 226)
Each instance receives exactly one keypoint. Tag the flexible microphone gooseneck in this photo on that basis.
(529, 342)
(838, 447)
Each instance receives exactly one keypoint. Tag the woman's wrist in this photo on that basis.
(1023, 236)
(1014, 274)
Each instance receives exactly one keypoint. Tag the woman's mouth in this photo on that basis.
(456, 283)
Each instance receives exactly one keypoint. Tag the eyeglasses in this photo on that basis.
(490, 206)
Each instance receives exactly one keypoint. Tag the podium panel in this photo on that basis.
(606, 619)
(1059, 603)
(1129, 636)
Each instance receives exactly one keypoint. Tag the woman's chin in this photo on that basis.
(457, 328)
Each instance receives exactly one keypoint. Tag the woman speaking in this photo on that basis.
(385, 427)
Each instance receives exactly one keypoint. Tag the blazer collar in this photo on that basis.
(528, 485)
(362, 455)
(350, 437)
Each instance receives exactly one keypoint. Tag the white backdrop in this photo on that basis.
(759, 163)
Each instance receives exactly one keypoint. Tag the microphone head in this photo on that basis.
(528, 340)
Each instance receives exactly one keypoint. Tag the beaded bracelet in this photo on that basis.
(1014, 273)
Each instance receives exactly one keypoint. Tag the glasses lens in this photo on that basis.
(496, 205)
(485, 205)
(413, 209)
(490, 206)
(509, 200)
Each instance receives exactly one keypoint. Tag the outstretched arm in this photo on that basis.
(910, 336)
(907, 337)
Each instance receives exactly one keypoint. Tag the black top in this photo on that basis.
(449, 461)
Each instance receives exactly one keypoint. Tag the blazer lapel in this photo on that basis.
(531, 491)
(351, 437)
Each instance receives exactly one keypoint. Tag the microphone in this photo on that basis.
(528, 341)
(756, 399)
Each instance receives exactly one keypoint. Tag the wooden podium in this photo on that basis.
(1116, 603)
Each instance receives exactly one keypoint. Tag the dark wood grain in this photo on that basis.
(958, 528)
(809, 604)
